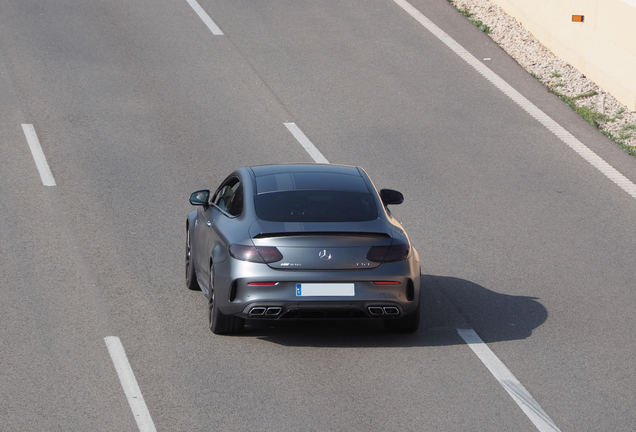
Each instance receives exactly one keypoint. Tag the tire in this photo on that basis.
(407, 324)
(190, 277)
(221, 324)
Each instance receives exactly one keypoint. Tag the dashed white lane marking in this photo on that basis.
(129, 383)
(205, 18)
(519, 394)
(576, 145)
(304, 141)
(38, 155)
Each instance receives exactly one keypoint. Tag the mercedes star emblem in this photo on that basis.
(324, 255)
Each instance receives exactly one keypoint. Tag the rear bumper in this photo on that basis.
(281, 300)
(235, 296)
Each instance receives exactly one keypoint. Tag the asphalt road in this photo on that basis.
(137, 103)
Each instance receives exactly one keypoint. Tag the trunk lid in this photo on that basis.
(321, 246)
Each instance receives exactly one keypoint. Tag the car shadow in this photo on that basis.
(448, 303)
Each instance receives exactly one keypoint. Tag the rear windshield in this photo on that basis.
(316, 206)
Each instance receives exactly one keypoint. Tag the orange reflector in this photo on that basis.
(577, 18)
(386, 282)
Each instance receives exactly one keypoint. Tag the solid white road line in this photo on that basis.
(38, 155)
(576, 145)
(519, 394)
(206, 18)
(304, 141)
(129, 383)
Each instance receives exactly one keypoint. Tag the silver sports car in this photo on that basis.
(301, 242)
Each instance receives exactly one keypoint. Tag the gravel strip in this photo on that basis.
(598, 106)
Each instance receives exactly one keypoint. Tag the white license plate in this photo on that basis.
(326, 289)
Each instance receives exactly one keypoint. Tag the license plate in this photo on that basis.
(325, 290)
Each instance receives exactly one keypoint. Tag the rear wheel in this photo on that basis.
(190, 277)
(221, 324)
(407, 324)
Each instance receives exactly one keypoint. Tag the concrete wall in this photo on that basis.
(602, 47)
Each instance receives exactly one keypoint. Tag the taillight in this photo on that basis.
(383, 254)
(260, 254)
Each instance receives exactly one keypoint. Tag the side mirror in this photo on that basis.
(200, 197)
(390, 196)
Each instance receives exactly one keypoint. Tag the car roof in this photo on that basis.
(274, 178)
(263, 170)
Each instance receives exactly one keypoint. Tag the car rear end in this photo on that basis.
(324, 275)
(322, 246)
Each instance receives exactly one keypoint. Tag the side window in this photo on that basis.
(235, 202)
(229, 197)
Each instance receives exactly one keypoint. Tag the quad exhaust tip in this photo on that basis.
(257, 311)
(273, 311)
(265, 311)
(383, 310)
(376, 310)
